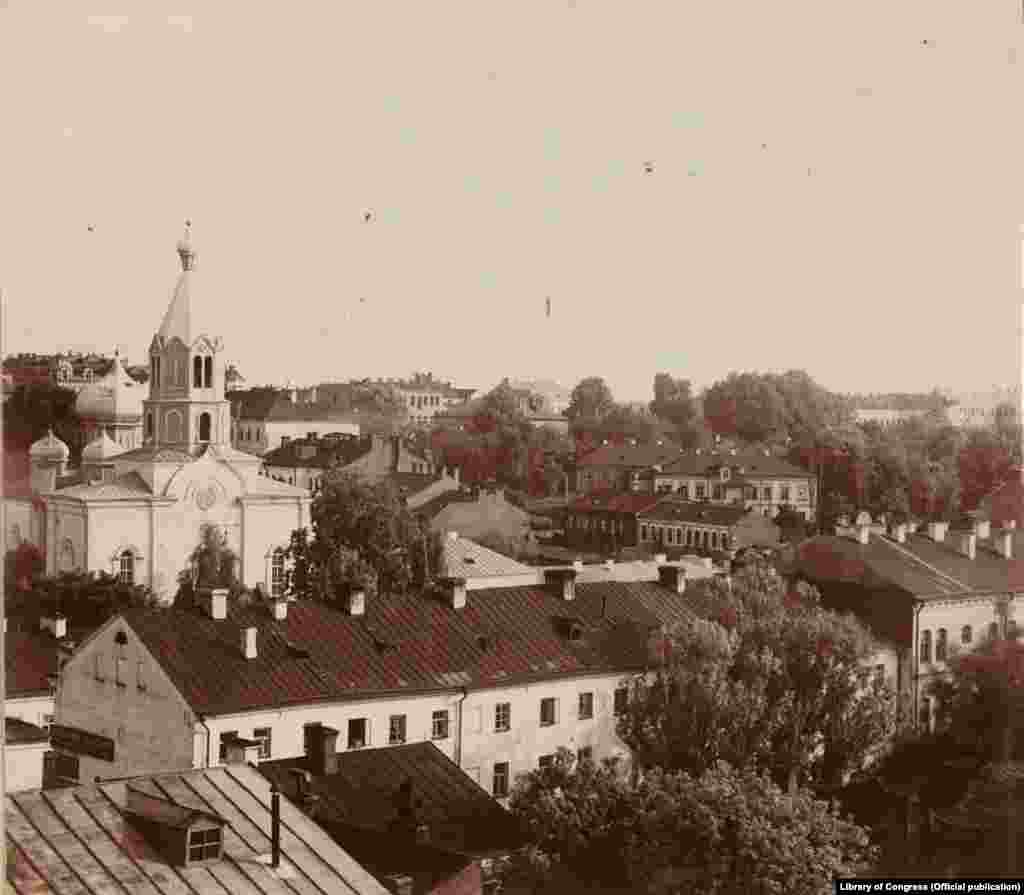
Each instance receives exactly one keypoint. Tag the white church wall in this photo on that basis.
(20, 524)
(268, 526)
(114, 528)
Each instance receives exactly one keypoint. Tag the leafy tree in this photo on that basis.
(364, 535)
(88, 599)
(722, 831)
(984, 462)
(782, 677)
(673, 401)
(747, 405)
(590, 399)
(22, 566)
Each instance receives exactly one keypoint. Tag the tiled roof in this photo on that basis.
(29, 657)
(676, 510)
(404, 642)
(130, 486)
(329, 452)
(629, 456)
(83, 840)
(754, 465)
(614, 503)
(919, 566)
(364, 790)
(464, 558)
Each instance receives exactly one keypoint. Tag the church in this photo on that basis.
(139, 511)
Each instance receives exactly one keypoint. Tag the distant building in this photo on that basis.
(424, 396)
(985, 408)
(675, 524)
(619, 467)
(886, 417)
(477, 512)
(263, 418)
(554, 398)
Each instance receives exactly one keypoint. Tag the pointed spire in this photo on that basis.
(178, 319)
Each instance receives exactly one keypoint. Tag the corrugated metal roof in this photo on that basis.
(81, 840)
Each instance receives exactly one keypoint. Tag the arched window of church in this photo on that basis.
(156, 372)
(204, 427)
(149, 425)
(197, 372)
(207, 372)
(126, 567)
(277, 573)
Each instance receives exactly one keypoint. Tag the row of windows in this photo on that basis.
(549, 711)
(247, 433)
(688, 537)
(502, 773)
(966, 638)
(718, 492)
(202, 372)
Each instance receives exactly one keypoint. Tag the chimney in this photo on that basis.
(1006, 544)
(901, 533)
(240, 751)
(563, 581)
(577, 565)
(609, 564)
(396, 452)
(673, 577)
(983, 529)
(323, 750)
(275, 826)
(660, 558)
(863, 534)
(215, 602)
(249, 643)
(55, 624)
(452, 536)
(454, 589)
(280, 607)
(357, 601)
(969, 545)
(1011, 524)
(937, 531)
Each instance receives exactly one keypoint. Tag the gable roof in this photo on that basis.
(629, 456)
(677, 510)
(82, 839)
(363, 791)
(404, 643)
(614, 503)
(920, 566)
(464, 558)
(755, 465)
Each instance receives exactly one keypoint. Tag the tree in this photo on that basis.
(22, 566)
(88, 599)
(676, 832)
(673, 401)
(591, 399)
(768, 679)
(747, 405)
(363, 535)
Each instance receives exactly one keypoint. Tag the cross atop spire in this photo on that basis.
(185, 252)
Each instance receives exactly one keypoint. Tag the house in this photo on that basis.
(496, 671)
(402, 812)
(139, 513)
(476, 512)
(618, 467)
(554, 398)
(423, 395)
(261, 418)
(219, 829)
(756, 481)
(606, 521)
(690, 525)
(926, 594)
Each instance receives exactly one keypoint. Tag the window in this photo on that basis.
(439, 725)
(149, 425)
(880, 673)
(966, 634)
(119, 675)
(586, 706)
(207, 372)
(263, 735)
(684, 489)
(926, 647)
(357, 729)
(98, 670)
(940, 645)
(203, 845)
(197, 372)
(277, 573)
(717, 492)
(156, 372)
(396, 730)
(225, 738)
(204, 427)
(993, 630)
(700, 491)
(584, 755)
(126, 567)
(621, 700)
(766, 492)
(503, 717)
(784, 494)
(499, 786)
(643, 532)
(548, 711)
(546, 761)
(140, 674)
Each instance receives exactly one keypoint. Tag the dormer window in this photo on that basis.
(182, 834)
(204, 845)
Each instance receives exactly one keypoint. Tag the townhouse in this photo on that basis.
(213, 830)
(677, 524)
(498, 671)
(262, 418)
(606, 521)
(619, 467)
(926, 594)
(476, 512)
(756, 481)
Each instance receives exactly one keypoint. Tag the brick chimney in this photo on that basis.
(249, 643)
(279, 605)
(323, 756)
(863, 534)
(215, 602)
(563, 581)
(673, 577)
(454, 589)
(983, 529)
(1006, 544)
(969, 544)
(356, 601)
(937, 531)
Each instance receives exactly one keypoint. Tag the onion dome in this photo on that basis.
(101, 449)
(49, 448)
(114, 398)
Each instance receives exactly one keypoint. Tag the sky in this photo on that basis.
(827, 192)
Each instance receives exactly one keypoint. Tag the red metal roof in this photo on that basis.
(411, 642)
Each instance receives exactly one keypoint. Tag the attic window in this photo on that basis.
(204, 845)
(120, 638)
(470, 560)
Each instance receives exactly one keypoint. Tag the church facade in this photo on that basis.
(140, 512)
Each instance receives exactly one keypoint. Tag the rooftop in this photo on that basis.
(629, 456)
(82, 839)
(403, 643)
(464, 558)
(754, 465)
(18, 732)
(614, 503)
(673, 509)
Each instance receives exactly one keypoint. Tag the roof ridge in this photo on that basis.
(927, 565)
